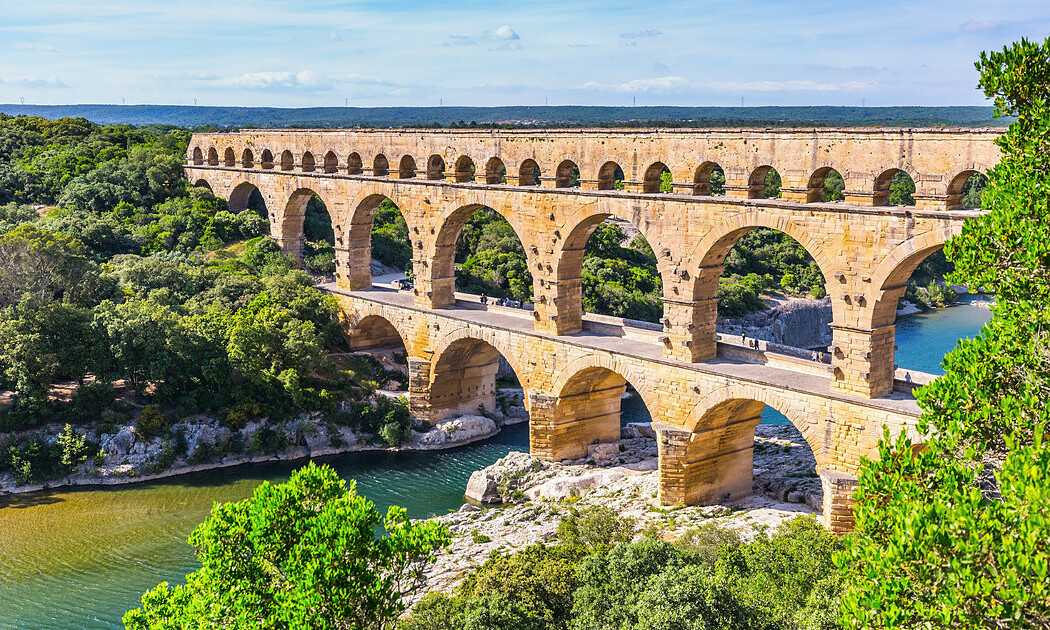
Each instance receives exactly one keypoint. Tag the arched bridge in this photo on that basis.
(555, 187)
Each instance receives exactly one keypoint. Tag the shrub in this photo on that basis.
(151, 422)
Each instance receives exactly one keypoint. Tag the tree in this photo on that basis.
(308, 553)
(40, 264)
(956, 534)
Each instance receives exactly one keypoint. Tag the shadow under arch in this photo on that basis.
(589, 393)
(247, 195)
(463, 373)
(372, 331)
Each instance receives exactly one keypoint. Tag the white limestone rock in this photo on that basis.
(453, 432)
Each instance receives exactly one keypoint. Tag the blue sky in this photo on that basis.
(294, 54)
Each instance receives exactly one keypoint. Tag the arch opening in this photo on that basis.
(318, 237)
(407, 168)
(354, 166)
(590, 410)
(825, 185)
(764, 183)
(229, 159)
(489, 256)
(375, 334)
(308, 165)
(378, 244)
(287, 160)
(965, 190)
(894, 187)
(567, 175)
(435, 167)
(247, 159)
(529, 173)
(464, 169)
(213, 157)
(709, 180)
(202, 183)
(467, 378)
(198, 156)
(610, 177)
(247, 196)
(380, 166)
(657, 179)
(331, 162)
(266, 159)
(495, 171)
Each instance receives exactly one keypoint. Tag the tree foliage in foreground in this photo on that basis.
(308, 553)
(957, 534)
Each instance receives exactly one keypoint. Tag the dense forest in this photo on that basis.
(518, 116)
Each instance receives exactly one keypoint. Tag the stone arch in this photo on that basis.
(198, 156)
(202, 183)
(247, 159)
(609, 174)
(756, 182)
(567, 175)
(290, 231)
(587, 409)
(367, 331)
(308, 162)
(890, 278)
(463, 372)
(331, 162)
(355, 271)
(266, 161)
(702, 178)
(354, 165)
(654, 177)
(881, 196)
(241, 195)
(464, 169)
(406, 169)
(229, 158)
(495, 171)
(956, 186)
(815, 189)
(213, 157)
(287, 160)
(435, 167)
(380, 166)
(529, 173)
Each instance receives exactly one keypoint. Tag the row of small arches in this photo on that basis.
(708, 178)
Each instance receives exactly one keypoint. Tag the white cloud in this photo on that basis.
(679, 84)
(981, 26)
(36, 47)
(50, 82)
(271, 80)
(652, 32)
(502, 38)
(504, 32)
(335, 37)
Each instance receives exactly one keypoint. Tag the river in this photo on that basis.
(77, 559)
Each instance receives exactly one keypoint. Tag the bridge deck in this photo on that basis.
(521, 322)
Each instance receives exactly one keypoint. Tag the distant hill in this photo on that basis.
(519, 116)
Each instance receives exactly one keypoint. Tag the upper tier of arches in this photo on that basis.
(937, 168)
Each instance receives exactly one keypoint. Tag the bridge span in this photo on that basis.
(555, 187)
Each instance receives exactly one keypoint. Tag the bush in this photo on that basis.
(89, 402)
(151, 422)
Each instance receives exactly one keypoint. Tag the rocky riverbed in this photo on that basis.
(535, 495)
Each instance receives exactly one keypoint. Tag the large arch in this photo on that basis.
(373, 331)
(355, 270)
(291, 227)
(247, 195)
(890, 278)
(463, 373)
(587, 408)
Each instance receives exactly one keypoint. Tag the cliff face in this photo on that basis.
(797, 322)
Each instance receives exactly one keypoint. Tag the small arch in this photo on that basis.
(267, 159)
(529, 173)
(567, 175)
(407, 168)
(764, 183)
(229, 158)
(380, 166)
(657, 179)
(354, 165)
(464, 169)
(213, 157)
(308, 164)
(435, 167)
(331, 162)
(709, 180)
(965, 190)
(894, 187)
(495, 171)
(825, 184)
(198, 156)
(202, 183)
(610, 177)
(287, 161)
(247, 159)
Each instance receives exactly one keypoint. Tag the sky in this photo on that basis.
(398, 52)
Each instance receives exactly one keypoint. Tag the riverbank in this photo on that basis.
(125, 456)
(534, 496)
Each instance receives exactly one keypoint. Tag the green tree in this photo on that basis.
(956, 534)
(308, 553)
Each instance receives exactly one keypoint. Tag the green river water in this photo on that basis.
(77, 559)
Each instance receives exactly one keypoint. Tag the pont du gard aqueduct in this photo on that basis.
(705, 393)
